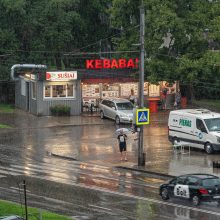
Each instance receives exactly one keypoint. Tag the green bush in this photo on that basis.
(60, 110)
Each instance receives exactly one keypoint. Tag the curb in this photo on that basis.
(145, 171)
(116, 167)
(55, 126)
(61, 156)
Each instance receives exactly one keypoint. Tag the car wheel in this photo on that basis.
(117, 120)
(102, 115)
(195, 200)
(164, 194)
(208, 148)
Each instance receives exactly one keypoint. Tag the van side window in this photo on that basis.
(200, 125)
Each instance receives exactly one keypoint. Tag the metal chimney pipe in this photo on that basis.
(36, 66)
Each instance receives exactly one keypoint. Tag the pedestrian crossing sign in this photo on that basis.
(142, 116)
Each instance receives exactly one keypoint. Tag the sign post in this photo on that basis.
(141, 155)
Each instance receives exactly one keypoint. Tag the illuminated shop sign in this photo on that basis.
(61, 76)
(112, 64)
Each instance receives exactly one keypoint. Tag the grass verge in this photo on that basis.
(213, 105)
(9, 208)
(6, 108)
(4, 126)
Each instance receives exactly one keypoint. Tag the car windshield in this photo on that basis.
(124, 106)
(211, 182)
(213, 124)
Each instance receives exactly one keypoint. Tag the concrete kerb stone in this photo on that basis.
(138, 169)
(61, 156)
(145, 171)
(55, 126)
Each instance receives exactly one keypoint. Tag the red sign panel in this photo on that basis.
(112, 64)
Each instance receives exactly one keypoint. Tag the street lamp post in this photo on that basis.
(141, 155)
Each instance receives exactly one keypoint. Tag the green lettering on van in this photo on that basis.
(185, 122)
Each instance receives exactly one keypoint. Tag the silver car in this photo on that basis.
(120, 110)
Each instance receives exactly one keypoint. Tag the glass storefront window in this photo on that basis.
(47, 91)
(59, 91)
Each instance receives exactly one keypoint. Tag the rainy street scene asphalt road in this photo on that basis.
(72, 166)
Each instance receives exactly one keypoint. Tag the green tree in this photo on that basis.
(38, 31)
(177, 47)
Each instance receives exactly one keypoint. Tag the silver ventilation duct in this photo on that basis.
(35, 66)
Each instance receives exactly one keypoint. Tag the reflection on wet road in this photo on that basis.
(88, 186)
(82, 189)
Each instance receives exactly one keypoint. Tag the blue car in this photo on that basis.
(193, 187)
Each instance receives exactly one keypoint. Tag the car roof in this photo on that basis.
(117, 100)
(201, 175)
(201, 113)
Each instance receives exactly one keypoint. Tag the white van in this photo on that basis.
(198, 127)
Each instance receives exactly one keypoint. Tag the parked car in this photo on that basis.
(194, 187)
(120, 110)
(199, 128)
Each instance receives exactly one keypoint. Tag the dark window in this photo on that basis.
(173, 181)
(192, 181)
(211, 182)
(213, 124)
(181, 180)
(108, 103)
(200, 125)
(112, 104)
(125, 106)
(104, 102)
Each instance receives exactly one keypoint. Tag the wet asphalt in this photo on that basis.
(90, 139)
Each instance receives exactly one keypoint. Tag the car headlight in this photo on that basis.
(218, 139)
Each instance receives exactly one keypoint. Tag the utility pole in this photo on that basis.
(141, 155)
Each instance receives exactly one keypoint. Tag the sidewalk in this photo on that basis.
(160, 157)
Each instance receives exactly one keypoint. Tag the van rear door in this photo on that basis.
(173, 126)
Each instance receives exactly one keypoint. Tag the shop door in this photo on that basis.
(27, 96)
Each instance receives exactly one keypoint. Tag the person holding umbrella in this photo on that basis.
(122, 144)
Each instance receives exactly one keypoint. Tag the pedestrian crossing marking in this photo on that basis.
(142, 116)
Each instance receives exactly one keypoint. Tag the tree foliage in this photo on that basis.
(179, 36)
(38, 31)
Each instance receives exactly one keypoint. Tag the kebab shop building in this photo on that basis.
(111, 78)
(37, 93)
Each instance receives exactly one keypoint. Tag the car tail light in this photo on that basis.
(203, 191)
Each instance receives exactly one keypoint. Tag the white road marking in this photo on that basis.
(135, 197)
(99, 207)
(70, 182)
(48, 170)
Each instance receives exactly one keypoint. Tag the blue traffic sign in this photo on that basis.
(142, 116)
